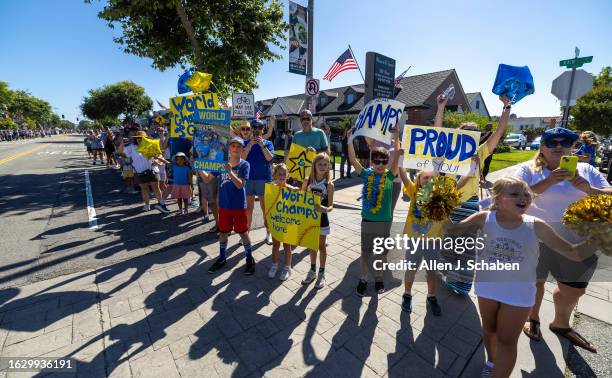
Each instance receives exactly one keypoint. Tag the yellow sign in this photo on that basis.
(440, 149)
(299, 162)
(182, 110)
(292, 216)
(160, 120)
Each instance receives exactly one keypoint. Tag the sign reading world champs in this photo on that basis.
(183, 110)
(440, 149)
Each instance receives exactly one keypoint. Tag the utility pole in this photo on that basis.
(310, 47)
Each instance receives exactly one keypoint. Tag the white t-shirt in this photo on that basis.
(551, 204)
(139, 162)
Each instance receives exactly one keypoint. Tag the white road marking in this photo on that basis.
(91, 211)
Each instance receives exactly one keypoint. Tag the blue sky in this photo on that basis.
(58, 50)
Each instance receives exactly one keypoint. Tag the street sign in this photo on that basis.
(312, 87)
(243, 105)
(583, 82)
(575, 62)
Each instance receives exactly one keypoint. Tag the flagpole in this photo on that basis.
(356, 62)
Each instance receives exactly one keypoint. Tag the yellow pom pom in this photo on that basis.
(438, 198)
(592, 217)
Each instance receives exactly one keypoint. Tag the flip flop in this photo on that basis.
(533, 332)
(573, 337)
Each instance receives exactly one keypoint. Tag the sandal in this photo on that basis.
(533, 331)
(573, 337)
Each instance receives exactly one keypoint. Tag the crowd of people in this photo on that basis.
(8, 135)
(522, 219)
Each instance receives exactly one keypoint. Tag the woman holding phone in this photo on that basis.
(556, 188)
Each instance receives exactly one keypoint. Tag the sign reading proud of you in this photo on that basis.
(439, 149)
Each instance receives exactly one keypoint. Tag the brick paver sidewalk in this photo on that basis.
(162, 315)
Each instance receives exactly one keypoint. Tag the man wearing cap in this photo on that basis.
(310, 137)
(145, 177)
(259, 153)
(232, 205)
(555, 189)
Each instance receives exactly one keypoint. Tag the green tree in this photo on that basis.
(453, 119)
(593, 111)
(347, 122)
(230, 39)
(105, 105)
(532, 133)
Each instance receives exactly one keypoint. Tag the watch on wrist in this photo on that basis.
(507, 107)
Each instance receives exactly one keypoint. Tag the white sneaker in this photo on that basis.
(309, 277)
(285, 274)
(146, 208)
(273, 270)
(320, 284)
(269, 239)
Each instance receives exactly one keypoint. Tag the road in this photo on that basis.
(44, 220)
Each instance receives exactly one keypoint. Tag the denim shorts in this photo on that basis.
(255, 187)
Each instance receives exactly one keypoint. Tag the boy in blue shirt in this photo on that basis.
(232, 205)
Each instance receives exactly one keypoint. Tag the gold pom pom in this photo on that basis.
(592, 217)
(438, 198)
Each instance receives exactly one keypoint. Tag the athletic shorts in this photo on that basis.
(233, 219)
(146, 177)
(208, 191)
(255, 187)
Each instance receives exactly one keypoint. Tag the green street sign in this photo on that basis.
(576, 62)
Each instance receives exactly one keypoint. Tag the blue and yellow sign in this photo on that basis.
(183, 108)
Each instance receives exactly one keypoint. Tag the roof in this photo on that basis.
(414, 91)
(472, 96)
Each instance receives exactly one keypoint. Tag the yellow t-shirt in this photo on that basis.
(470, 188)
(411, 227)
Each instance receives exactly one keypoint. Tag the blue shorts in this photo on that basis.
(256, 187)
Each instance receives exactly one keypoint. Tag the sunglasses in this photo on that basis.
(380, 161)
(565, 143)
(245, 129)
(305, 119)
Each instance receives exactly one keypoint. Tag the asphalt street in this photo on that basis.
(44, 219)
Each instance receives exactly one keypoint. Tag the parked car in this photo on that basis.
(535, 144)
(518, 141)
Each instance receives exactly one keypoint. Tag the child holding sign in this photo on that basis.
(377, 210)
(414, 227)
(280, 174)
(232, 205)
(320, 184)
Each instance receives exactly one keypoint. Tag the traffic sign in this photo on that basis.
(576, 62)
(312, 87)
(583, 82)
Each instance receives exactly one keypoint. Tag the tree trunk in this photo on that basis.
(197, 52)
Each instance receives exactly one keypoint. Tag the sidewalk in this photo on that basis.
(162, 315)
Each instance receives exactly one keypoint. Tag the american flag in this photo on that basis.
(345, 62)
(398, 79)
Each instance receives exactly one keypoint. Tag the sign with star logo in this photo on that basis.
(299, 162)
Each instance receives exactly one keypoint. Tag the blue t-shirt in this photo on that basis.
(180, 174)
(587, 149)
(260, 167)
(315, 138)
(230, 197)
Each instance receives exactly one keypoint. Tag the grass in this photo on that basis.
(507, 159)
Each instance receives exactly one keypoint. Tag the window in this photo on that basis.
(477, 104)
(322, 100)
(350, 98)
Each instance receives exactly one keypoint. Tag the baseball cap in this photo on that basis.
(180, 154)
(236, 140)
(559, 132)
(256, 122)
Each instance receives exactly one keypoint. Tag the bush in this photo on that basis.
(502, 147)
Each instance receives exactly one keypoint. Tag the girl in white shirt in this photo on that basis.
(505, 296)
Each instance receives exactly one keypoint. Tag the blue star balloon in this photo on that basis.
(182, 82)
(514, 82)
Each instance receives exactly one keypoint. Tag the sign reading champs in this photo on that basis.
(440, 149)
(377, 119)
(183, 108)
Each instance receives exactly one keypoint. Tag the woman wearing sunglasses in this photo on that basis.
(555, 189)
